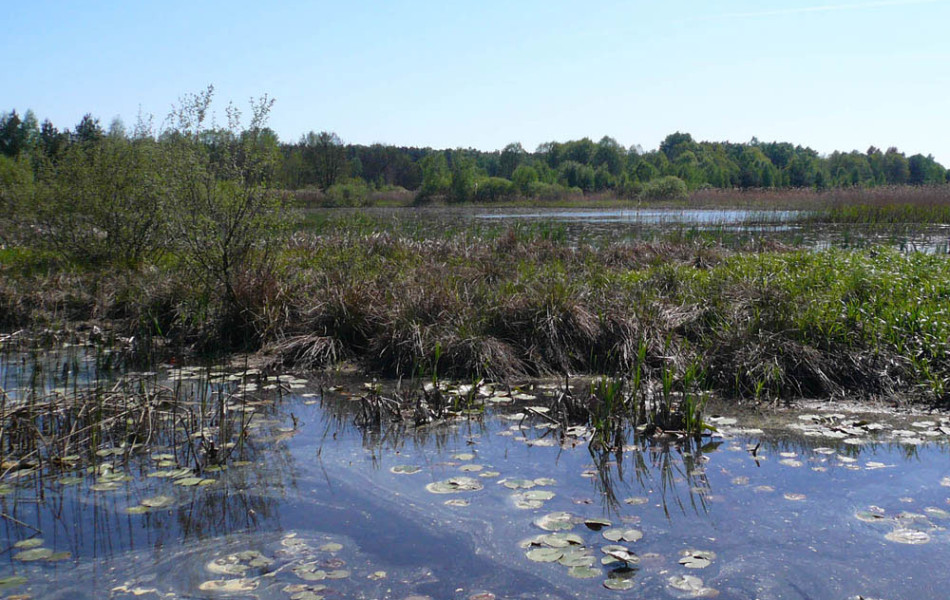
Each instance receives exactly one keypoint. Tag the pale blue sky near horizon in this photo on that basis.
(832, 75)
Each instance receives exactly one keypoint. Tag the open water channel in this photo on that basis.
(820, 502)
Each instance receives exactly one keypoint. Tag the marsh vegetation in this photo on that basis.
(198, 366)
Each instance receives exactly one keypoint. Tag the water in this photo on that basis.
(654, 216)
(637, 224)
(786, 505)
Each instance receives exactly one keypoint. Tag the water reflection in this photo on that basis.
(769, 514)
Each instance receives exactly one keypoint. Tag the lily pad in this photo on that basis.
(464, 456)
(189, 481)
(904, 536)
(458, 503)
(515, 484)
(228, 565)
(107, 486)
(561, 540)
(405, 469)
(30, 543)
(331, 547)
(310, 572)
(11, 582)
(618, 585)
(636, 500)
(577, 558)
(254, 559)
(338, 574)
(454, 485)
(59, 556)
(870, 516)
(556, 521)
(157, 501)
(697, 559)
(619, 553)
(937, 513)
(229, 586)
(545, 554)
(691, 585)
(584, 572)
(596, 524)
(616, 534)
(540, 495)
(33, 554)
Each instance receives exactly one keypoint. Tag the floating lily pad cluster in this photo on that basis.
(314, 567)
(585, 560)
(109, 480)
(689, 585)
(32, 550)
(455, 485)
(858, 431)
(149, 504)
(405, 469)
(905, 527)
(526, 495)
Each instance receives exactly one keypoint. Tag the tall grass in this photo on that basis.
(58, 410)
(757, 321)
(809, 199)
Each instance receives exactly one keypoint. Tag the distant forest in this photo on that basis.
(349, 172)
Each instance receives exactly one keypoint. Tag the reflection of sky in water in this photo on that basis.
(653, 216)
(331, 482)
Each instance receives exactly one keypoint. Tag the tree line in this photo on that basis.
(553, 170)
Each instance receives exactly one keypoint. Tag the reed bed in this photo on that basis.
(776, 323)
(809, 199)
(758, 320)
(200, 423)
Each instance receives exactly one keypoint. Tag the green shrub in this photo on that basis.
(523, 177)
(551, 191)
(223, 215)
(102, 202)
(352, 193)
(494, 189)
(16, 189)
(665, 188)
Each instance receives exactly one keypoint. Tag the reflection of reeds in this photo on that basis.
(202, 422)
(674, 469)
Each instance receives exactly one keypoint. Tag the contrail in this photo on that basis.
(828, 8)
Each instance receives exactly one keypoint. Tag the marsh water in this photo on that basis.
(813, 503)
(643, 223)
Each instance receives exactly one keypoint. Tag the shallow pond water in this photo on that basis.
(636, 224)
(495, 504)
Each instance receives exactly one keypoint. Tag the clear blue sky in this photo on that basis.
(830, 74)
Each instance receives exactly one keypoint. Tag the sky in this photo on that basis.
(832, 75)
